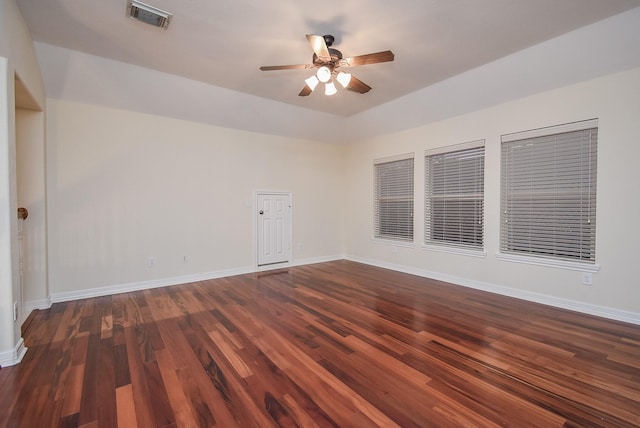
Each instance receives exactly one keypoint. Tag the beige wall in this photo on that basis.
(614, 101)
(123, 186)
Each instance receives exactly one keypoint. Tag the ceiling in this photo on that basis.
(224, 43)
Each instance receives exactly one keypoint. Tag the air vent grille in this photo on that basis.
(148, 14)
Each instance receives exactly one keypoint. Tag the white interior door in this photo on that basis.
(274, 228)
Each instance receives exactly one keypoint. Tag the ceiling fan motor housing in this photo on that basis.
(328, 39)
(335, 54)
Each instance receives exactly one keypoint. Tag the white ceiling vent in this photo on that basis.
(148, 14)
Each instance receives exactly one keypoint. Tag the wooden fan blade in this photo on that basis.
(285, 67)
(319, 47)
(357, 85)
(373, 58)
(305, 91)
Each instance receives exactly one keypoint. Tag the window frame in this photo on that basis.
(444, 184)
(401, 233)
(550, 196)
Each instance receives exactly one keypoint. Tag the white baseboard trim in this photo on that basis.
(586, 308)
(176, 280)
(314, 260)
(145, 285)
(13, 356)
(299, 262)
(32, 305)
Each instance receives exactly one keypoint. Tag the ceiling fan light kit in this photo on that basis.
(324, 74)
(330, 89)
(312, 82)
(343, 78)
(327, 61)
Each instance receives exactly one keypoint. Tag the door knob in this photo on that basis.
(261, 212)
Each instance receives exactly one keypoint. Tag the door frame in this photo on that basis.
(256, 238)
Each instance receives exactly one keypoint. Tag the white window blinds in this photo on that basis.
(393, 195)
(548, 192)
(454, 196)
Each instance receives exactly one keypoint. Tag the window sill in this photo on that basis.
(560, 264)
(453, 250)
(405, 244)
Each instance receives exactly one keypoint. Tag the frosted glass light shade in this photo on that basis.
(343, 78)
(330, 89)
(312, 82)
(324, 74)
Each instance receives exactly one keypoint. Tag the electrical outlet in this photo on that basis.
(300, 245)
(151, 262)
(587, 278)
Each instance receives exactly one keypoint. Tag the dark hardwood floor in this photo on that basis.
(332, 344)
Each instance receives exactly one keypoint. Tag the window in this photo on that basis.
(548, 192)
(454, 196)
(393, 198)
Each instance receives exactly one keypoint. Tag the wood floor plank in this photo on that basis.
(177, 400)
(158, 395)
(309, 373)
(301, 417)
(73, 389)
(138, 352)
(200, 408)
(324, 345)
(125, 407)
(207, 402)
(92, 369)
(106, 384)
(222, 377)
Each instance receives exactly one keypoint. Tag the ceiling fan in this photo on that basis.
(329, 62)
